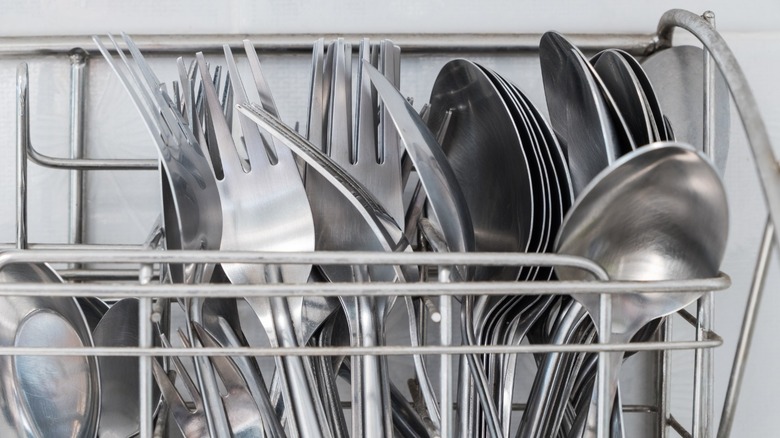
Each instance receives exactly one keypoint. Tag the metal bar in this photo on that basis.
(385, 350)
(145, 340)
(746, 333)
(445, 373)
(517, 407)
(350, 289)
(302, 43)
(743, 98)
(703, 382)
(679, 428)
(604, 413)
(687, 317)
(78, 65)
(22, 138)
(98, 253)
(664, 379)
(76, 162)
(90, 163)
(79, 247)
(703, 371)
(99, 274)
(322, 257)
(336, 258)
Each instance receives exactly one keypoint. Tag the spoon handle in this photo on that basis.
(598, 412)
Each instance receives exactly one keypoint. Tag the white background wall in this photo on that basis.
(751, 28)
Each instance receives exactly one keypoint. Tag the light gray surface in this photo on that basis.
(752, 32)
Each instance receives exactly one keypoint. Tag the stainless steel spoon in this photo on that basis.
(591, 133)
(56, 396)
(626, 90)
(658, 213)
(119, 375)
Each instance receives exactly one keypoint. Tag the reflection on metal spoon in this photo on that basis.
(45, 395)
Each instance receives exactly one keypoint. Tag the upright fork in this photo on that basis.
(188, 188)
(361, 152)
(264, 208)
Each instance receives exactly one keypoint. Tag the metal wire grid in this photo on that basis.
(77, 254)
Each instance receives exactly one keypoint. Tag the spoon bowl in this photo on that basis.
(49, 395)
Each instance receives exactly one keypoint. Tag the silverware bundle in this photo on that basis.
(612, 177)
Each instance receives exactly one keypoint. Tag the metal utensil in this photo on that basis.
(119, 375)
(648, 196)
(221, 320)
(626, 90)
(268, 196)
(503, 315)
(243, 414)
(185, 163)
(651, 99)
(307, 313)
(591, 133)
(188, 189)
(379, 171)
(446, 201)
(56, 396)
(484, 149)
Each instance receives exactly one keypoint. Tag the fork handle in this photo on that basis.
(302, 397)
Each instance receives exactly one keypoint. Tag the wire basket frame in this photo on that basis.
(77, 255)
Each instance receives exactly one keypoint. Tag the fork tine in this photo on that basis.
(339, 129)
(148, 93)
(228, 155)
(314, 128)
(327, 91)
(389, 67)
(146, 71)
(170, 114)
(364, 147)
(256, 140)
(159, 96)
(266, 100)
(227, 99)
(144, 106)
(266, 97)
(210, 136)
(177, 97)
(186, 90)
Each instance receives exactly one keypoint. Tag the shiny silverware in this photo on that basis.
(242, 412)
(188, 187)
(221, 320)
(52, 395)
(267, 196)
(582, 113)
(626, 90)
(658, 213)
(119, 375)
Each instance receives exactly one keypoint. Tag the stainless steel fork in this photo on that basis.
(188, 185)
(268, 196)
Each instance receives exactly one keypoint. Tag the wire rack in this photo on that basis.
(137, 265)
